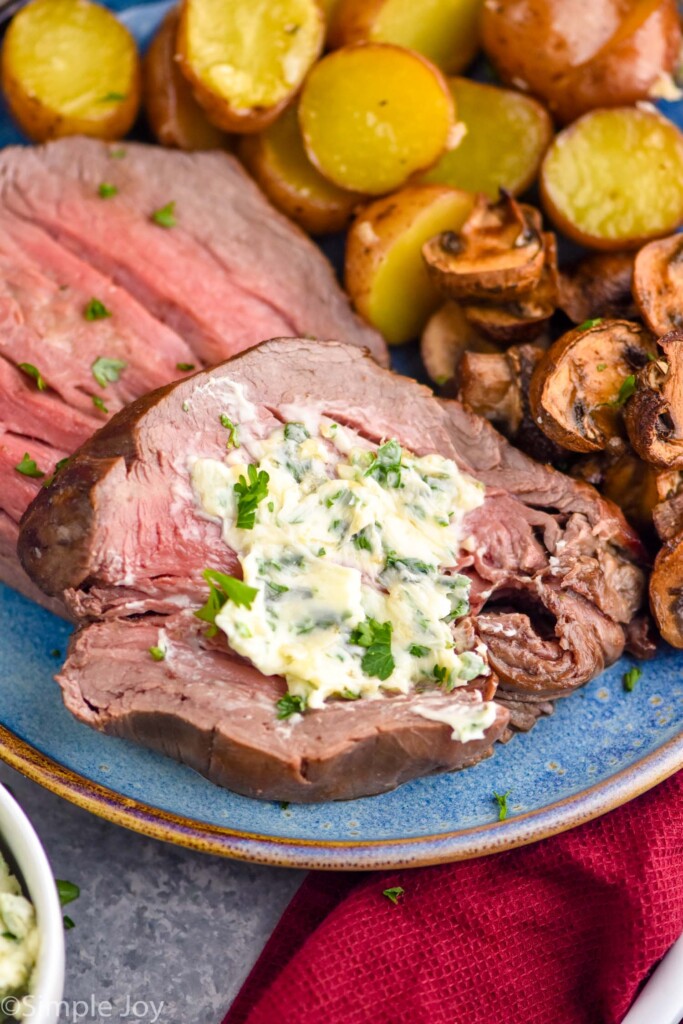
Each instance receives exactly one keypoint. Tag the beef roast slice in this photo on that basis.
(119, 534)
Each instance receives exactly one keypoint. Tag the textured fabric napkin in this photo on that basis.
(561, 932)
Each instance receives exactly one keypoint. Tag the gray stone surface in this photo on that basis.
(155, 923)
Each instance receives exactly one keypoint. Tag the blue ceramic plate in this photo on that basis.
(602, 747)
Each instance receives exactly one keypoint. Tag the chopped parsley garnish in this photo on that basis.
(296, 432)
(55, 652)
(627, 389)
(31, 371)
(587, 324)
(394, 894)
(284, 804)
(223, 588)
(117, 154)
(99, 404)
(631, 678)
(418, 651)
(113, 97)
(9, 936)
(502, 801)
(68, 922)
(231, 428)
(386, 464)
(378, 660)
(184, 367)
(158, 653)
(443, 676)
(361, 540)
(277, 588)
(249, 494)
(96, 310)
(601, 367)
(67, 891)
(61, 464)
(350, 695)
(28, 467)
(165, 216)
(106, 191)
(107, 371)
(290, 704)
(413, 566)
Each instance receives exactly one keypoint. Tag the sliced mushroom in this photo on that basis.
(581, 384)
(525, 318)
(497, 255)
(654, 416)
(658, 284)
(598, 286)
(668, 515)
(445, 339)
(666, 591)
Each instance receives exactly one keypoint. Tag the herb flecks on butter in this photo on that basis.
(19, 940)
(351, 560)
(107, 371)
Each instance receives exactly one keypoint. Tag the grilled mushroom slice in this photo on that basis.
(654, 417)
(445, 339)
(666, 591)
(497, 255)
(598, 286)
(581, 384)
(658, 284)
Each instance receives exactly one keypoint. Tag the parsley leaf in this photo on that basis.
(184, 367)
(107, 371)
(113, 97)
(296, 432)
(411, 566)
(31, 371)
(418, 651)
(443, 676)
(394, 894)
(117, 154)
(601, 367)
(631, 678)
(231, 427)
(28, 467)
(165, 216)
(68, 923)
(99, 404)
(502, 801)
(386, 464)
(158, 653)
(627, 389)
(587, 324)
(290, 704)
(67, 891)
(249, 494)
(223, 588)
(378, 660)
(361, 539)
(349, 694)
(96, 310)
(106, 191)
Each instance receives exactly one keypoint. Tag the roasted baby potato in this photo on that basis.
(658, 284)
(278, 161)
(654, 416)
(583, 381)
(582, 55)
(174, 115)
(444, 341)
(373, 114)
(445, 31)
(599, 285)
(245, 60)
(497, 255)
(69, 67)
(384, 272)
(615, 178)
(666, 591)
(506, 135)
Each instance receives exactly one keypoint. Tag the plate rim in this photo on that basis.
(357, 855)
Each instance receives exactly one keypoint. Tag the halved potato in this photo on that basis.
(245, 60)
(445, 31)
(598, 286)
(174, 115)
(654, 417)
(583, 382)
(278, 161)
(69, 67)
(506, 135)
(658, 284)
(444, 341)
(385, 275)
(373, 114)
(615, 178)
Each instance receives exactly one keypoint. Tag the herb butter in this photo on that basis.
(18, 939)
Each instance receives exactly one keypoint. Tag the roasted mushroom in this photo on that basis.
(637, 488)
(654, 416)
(444, 340)
(581, 384)
(497, 255)
(524, 318)
(598, 286)
(658, 284)
(668, 515)
(666, 591)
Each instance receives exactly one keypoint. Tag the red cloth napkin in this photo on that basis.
(561, 932)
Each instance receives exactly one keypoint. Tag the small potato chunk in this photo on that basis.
(174, 115)
(278, 161)
(654, 416)
(585, 54)
(598, 286)
(615, 178)
(245, 60)
(584, 380)
(506, 135)
(385, 275)
(373, 114)
(497, 255)
(445, 339)
(445, 31)
(658, 284)
(69, 67)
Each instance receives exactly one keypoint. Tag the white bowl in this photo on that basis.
(18, 838)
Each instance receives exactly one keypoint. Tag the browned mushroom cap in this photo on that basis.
(654, 416)
(666, 591)
(598, 286)
(658, 284)
(497, 255)
(525, 318)
(581, 384)
(444, 340)
(637, 487)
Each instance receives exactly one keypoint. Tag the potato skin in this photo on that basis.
(622, 50)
